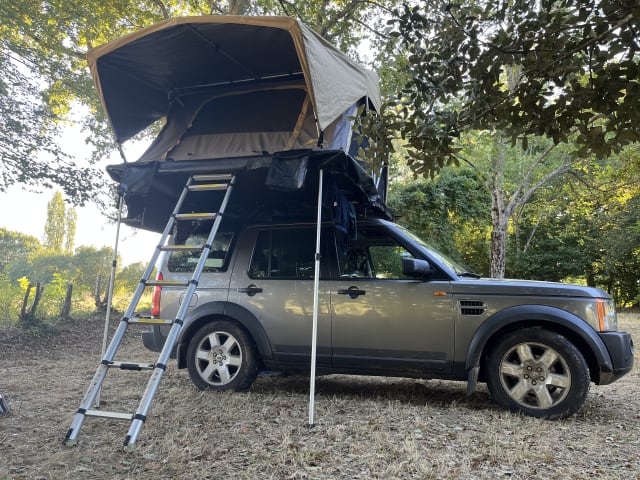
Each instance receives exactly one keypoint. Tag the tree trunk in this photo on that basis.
(66, 306)
(499, 222)
(28, 315)
(101, 304)
(499, 217)
(25, 300)
(36, 299)
(498, 251)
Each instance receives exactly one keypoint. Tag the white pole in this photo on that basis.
(112, 279)
(316, 287)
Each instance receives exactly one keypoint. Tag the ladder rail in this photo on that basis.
(154, 258)
(158, 368)
(169, 344)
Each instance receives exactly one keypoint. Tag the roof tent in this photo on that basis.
(229, 86)
(234, 92)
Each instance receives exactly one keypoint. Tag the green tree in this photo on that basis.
(568, 70)
(43, 72)
(512, 176)
(60, 227)
(585, 227)
(10, 299)
(70, 220)
(16, 247)
(41, 267)
(129, 277)
(92, 266)
(448, 211)
(493, 67)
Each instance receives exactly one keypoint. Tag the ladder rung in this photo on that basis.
(103, 414)
(131, 365)
(196, 216)
(138, 319)
(212, 177)
(91, 398)
(208, 186)
(181, 248)
(166, 283)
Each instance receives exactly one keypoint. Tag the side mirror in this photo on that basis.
(415, 267)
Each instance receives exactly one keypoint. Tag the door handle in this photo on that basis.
(353, 292)
(251, 290)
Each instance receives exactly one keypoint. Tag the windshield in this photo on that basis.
(431, 252)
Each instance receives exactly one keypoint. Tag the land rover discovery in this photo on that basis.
(390, 305)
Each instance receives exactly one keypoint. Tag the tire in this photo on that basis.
(539, 373)
(222, 356)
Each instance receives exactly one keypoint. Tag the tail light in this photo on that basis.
(157, 293)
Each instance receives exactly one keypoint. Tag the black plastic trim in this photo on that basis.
(621, 350)
(536, 314)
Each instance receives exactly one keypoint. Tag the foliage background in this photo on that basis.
(510, 128)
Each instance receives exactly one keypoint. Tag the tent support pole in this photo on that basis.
(316, 287)
(122, 155)
(112, 279)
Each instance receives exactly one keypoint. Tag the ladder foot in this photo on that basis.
(128, 445)
(68, 441)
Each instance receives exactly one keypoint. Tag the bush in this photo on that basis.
(10, 301)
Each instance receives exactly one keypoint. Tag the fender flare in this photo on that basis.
(244, 317)
(537, 314)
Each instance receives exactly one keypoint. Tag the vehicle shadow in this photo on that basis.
(436, 393)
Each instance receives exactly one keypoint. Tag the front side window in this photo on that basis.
(217, 260)
(285, 254)
(373, 254)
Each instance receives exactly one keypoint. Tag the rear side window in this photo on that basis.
(284, 254)
(217, 261)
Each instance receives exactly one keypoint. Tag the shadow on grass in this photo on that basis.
(436, 393)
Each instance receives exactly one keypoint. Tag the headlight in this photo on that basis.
(607, 318)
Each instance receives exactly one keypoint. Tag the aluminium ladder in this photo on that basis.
(213, 182)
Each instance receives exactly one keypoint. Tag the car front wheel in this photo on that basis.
(539, 373)
(221, 356)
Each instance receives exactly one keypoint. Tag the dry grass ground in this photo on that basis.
(365, 427)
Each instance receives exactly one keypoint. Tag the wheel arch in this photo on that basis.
(218, 310)
(555, 319)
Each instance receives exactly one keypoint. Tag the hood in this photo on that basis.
(508, 287)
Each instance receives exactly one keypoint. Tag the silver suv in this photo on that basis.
(391, 305)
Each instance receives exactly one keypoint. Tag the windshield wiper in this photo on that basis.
(469, 274)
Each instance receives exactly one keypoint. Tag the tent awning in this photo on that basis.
(141, 76)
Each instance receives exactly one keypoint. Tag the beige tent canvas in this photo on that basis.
(230, 86)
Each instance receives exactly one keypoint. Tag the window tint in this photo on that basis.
(218, 258)
(374, 254)
(286, 253)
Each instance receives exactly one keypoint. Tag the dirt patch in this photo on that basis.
(365, 427)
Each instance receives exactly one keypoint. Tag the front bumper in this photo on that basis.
(621, 350)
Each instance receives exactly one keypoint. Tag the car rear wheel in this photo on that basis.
(222, 356)
(539, 373)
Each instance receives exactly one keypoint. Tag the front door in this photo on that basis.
(383, 320)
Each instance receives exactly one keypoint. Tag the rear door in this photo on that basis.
(275, 282)
(383, 320)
